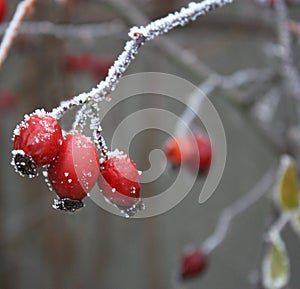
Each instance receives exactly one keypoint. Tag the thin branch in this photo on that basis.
(181, 57)
(279, 224)
(289, 71)
(67, 30)
(13, 27)
(139, 36)
(238, 207)
(237, 79)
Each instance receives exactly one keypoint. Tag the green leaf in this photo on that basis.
(288, 184)
(276, 265)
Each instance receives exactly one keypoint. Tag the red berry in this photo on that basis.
(99, 66)
(193, 263)
(3, 9)
(78, 63)
(179, 150)
(38, 138)
(205, 151)
(7, 100)
(119, 180)
(192, 150)
(75, 170)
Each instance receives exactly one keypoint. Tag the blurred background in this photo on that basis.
(44, 248)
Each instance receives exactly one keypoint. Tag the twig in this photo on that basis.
(289, 71)
(139, 36)
(233, 81)
(181, 57)
(12, 30)
(67, 30)
(279, 224)
(238, 207)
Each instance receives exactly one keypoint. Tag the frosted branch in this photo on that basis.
(238, 207)
(235, 80)
(289, 71)
(139, 36)
(68, 31)
(13, 27)
(279, 224)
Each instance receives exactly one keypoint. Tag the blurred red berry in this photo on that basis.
(88, 63)
(193, 263)
(78, 63)
(179, 150)
(7, 100)
(99, 66)
(36, 142)
(119, 180)
(3, 8)
(194, 151)
(205, 151)
(75, 170)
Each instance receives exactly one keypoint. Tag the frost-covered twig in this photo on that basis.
(289, 71)
(139, 36)
(237, 208)
(279, 224)
(12, 29)
(184, 59)
(67, 30)
(235, 80)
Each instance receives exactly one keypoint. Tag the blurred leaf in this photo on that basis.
(276, 265)
(288, 186)
(296, 222)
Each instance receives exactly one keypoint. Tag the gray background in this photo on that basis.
(44, 248)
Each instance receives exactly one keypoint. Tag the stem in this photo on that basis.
(67, 30)
(13, 27)
(139, 36)
(238, 207)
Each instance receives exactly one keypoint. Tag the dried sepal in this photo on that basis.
(67, 205)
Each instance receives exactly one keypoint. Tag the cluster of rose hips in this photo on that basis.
(73, 166)
(72, 163)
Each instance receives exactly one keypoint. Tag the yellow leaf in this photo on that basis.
(276, 265)
(288, 185)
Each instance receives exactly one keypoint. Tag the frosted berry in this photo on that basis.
(119, 180)
(193, 263)
(36, 142)
(195, 151)
(74, 171)
(3, 8)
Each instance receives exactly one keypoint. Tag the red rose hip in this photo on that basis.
(119, 180)
(195, 151)
(74, 171)
(36, 142)
(193, 263)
